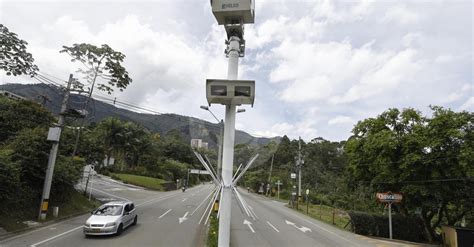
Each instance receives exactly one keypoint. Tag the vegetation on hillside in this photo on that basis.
(428, 159)
(24, 153)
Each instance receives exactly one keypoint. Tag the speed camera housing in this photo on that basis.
(230, 92)
(233, 11)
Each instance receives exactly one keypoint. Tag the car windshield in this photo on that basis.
(109, 210)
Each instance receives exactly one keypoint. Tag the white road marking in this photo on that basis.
(304, 229)
(161, 216)
(181, 219)
(114, 189)
(57, 236)
(253, 212)
(324, 229)
(274, 228)
(79, 227)
(119, 197)
(249, 224)
(200, 204)
(184, 199)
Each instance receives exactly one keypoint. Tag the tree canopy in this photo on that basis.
(100, 62)
(14, 58)
(428, 159)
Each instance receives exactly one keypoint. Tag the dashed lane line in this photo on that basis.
(274, 228)
(163, 215)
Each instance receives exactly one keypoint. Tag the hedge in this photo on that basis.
(404, 228)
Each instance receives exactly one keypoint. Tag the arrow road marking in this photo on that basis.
(161, 216)
(304, 229)
(181, 219)
(249, 224)
(274, 228)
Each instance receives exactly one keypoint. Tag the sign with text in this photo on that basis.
(196, 171)
(389, 197)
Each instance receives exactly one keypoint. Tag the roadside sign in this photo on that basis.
(293, 175)
(389, 197)
(197, 171)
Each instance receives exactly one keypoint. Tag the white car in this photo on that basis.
(111, 218)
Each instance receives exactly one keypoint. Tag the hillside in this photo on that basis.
(189, 127)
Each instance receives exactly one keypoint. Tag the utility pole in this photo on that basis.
(270, 176)
(299, 164)
(53, 135)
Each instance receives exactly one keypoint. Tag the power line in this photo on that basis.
(43, 78)
(49, 80)
(57, 78)
(126, 104)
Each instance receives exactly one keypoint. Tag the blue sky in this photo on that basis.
(319, 66)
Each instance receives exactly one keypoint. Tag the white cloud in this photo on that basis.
(319, 65)
(340, 120)
(401, 15)
(468, 105)
(305, 129)
(388, 75)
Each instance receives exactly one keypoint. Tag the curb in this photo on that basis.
(41, 225)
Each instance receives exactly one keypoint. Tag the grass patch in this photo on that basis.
(213, 231)
(146, 182)
(325, 213)
(77, 204)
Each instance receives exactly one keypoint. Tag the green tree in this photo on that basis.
(424, 158)
(100, 62)
(14, 59)
(18, 115)
(173, 146)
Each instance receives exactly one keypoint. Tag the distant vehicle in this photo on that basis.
(111, 218)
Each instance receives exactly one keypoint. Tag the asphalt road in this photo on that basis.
(277, 225)
(172, 219)
(159, 221)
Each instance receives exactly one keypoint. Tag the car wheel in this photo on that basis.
(119, 229)
(135, 220)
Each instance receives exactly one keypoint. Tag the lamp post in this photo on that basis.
(221, 133)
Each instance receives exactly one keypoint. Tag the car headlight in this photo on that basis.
(110, 224)
(87, 225)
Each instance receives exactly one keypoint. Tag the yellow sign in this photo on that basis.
(44, 207)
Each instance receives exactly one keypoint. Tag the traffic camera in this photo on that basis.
(230, 92)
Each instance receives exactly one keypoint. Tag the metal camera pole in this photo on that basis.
(232, 14)
(228, 152)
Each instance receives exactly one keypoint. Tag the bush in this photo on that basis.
(405, 228)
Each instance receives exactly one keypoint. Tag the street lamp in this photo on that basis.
(221, 133)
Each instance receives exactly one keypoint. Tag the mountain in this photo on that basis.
(189, 127)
